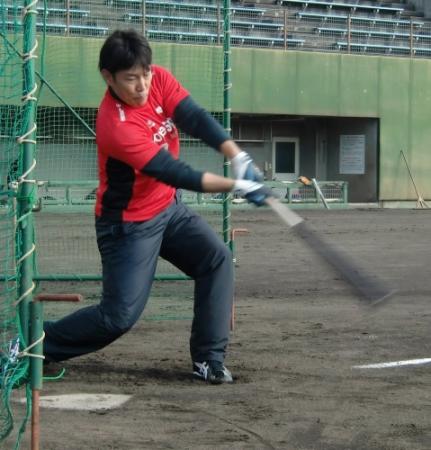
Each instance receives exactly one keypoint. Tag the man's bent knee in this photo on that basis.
(223, 255)
(116, 326)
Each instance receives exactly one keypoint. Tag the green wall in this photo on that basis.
(70, 66)
(396, 90)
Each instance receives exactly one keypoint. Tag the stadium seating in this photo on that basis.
(372, 33)
(50, 11)
(325, 25)
(210, 21)
(61, 28)
(258, 40)
(249, 25)
(389, 49)
(158, 18)
(203, 23)
(180, 6)
(62, 12)
(352, 7)
(371, 21)
(181, 36)
(198, 37)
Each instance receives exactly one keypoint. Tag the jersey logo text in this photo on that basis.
(167, 127)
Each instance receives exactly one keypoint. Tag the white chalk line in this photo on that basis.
(408, 362)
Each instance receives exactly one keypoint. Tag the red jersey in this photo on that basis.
(127, 139)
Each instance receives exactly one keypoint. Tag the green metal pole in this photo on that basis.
(30, 314)
(226, 113)
(25, 188)
(31, 319)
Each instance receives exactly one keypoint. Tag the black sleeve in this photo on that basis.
(198, 123)
(174, 172)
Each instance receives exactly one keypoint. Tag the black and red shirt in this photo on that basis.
(127, 139)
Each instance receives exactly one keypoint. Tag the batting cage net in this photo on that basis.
(16, 97)
(51, 195)
(66, 151)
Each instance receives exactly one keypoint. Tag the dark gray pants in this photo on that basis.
(129, 254)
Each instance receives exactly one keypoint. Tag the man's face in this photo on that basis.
(131, 85)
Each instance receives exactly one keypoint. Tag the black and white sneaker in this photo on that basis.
(212, 371)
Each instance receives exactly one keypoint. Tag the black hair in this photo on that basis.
(124, 49)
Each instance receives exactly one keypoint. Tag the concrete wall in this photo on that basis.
(300, 128)
(362, 188)
(319, 141)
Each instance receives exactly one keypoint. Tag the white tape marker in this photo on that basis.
(408, 362)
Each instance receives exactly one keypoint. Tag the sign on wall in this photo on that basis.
(352, 154)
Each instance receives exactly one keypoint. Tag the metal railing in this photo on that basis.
(296, 192)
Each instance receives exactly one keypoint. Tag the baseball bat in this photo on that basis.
(371, 289)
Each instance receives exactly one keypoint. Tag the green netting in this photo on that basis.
(66, 152)
(61, 185)
(13, 123)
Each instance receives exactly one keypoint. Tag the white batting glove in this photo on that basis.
(244, 168)
(254, 192)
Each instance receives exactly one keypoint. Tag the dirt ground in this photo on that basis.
(298, 333)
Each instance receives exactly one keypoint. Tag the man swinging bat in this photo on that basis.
(140, 215)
